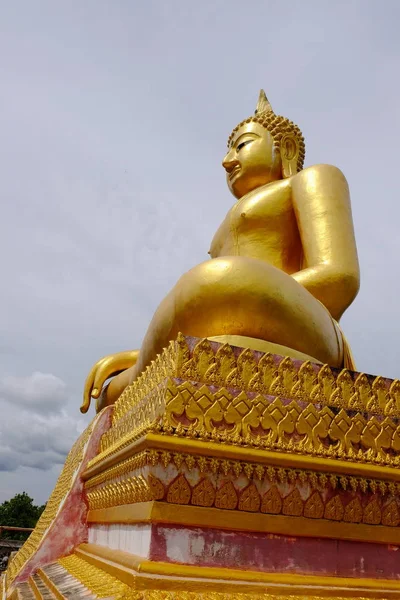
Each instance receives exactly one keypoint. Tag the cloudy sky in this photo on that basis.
(114, 117)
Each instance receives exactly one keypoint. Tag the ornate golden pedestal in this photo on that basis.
(228, 473)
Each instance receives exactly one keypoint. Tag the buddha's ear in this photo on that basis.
(289, 148)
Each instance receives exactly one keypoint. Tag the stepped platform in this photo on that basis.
(226, 473)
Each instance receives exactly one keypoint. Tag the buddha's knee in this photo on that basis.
(218, 296)
(212, 278)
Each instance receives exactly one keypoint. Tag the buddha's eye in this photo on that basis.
(242, 144)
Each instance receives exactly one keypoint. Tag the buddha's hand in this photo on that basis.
(106, 367)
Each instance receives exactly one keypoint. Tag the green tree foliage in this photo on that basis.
(19, 512)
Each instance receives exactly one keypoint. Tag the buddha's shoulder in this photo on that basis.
(320, 172)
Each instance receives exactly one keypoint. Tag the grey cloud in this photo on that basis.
(9, 459)
(35, 430)
(32, 440)
(42, 392)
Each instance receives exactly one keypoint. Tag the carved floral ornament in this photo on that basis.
(225, 366)
(258, 420)
(260, 400)
(253, 471)
(248, 499)
(350, 499)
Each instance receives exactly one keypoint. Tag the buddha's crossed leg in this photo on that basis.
(238, 296)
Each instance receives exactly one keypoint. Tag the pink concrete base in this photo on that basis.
(69, 528)
(274, 553)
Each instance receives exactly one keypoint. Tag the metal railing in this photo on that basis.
(9, 528)
(9, 543)
(8, 546)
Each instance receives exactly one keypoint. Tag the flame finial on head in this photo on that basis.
(263, 104)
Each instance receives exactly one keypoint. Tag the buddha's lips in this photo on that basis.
(234, 171)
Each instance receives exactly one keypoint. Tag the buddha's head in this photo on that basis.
(262, 149)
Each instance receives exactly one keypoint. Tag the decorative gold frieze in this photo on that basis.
(321, 497)
(126, 491)
(243, 418)
(229, 367)
(236, 468)
(130, 464)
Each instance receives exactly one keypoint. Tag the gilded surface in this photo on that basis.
(257, 401)
(220, 483)
(225, 366)
(105, 585)
(46, 519)
(283, 263)
(96, 580)
(331, 414)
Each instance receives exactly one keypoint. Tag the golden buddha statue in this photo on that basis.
(283, 265)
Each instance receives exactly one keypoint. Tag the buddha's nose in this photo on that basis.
(229, 163)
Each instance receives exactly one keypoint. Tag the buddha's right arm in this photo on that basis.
(118, 366)
(330, 272)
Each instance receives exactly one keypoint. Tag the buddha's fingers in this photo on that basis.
(105, 368)
(89, 389)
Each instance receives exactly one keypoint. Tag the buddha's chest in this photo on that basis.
(262, 225)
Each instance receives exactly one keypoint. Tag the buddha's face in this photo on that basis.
(252, 160)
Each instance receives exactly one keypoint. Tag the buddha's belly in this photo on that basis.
(268, 247)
